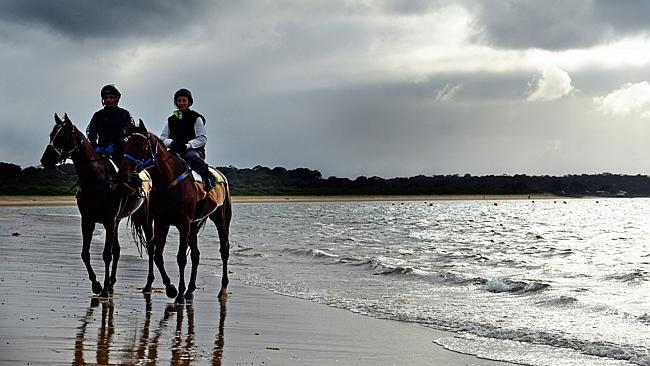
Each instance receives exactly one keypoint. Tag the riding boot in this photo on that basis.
(209, 181)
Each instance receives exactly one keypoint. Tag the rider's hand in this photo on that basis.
(177, 147)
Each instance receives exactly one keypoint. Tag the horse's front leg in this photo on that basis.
(195, 254)
(159, 239)
(181, 258)
(116, 257)
(148, 235)
(87, 228)
(107, 255)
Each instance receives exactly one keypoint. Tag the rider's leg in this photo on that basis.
(197, 163)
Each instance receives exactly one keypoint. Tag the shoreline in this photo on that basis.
(18, 201)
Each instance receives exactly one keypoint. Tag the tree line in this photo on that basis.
(260, 180)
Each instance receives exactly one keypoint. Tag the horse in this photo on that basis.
(177, 200)
(98, 198)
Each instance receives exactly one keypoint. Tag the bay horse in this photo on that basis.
(177, 200)
(98, 199)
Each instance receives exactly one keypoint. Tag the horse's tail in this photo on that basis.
(136, 221)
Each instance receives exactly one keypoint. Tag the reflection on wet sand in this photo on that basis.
(219, 342)
(151, 346)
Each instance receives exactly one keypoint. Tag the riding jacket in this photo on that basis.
(109, 125)
(185, 127)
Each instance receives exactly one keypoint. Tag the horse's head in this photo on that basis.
(140, 153)
(63, 142)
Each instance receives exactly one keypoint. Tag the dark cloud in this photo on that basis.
(558, 24)
(317, 84)
(81, 19)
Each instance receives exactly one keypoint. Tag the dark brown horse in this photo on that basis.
(177, 200)
(98, 199)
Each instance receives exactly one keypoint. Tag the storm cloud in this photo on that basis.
(559, 25)
(387, 88)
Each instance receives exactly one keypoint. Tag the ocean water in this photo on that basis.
(549, 282)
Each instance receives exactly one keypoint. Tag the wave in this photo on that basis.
(637, 275)
(380, 266)
(311, 253)
(645, 318)
(500, 284)
(246, 253)
(634, 354)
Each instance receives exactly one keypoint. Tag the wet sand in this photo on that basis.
(48, 315)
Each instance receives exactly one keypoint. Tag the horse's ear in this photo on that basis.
(66, 119)
(57, 120)
(142, 127)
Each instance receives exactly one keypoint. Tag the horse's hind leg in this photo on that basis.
(87, 228)
(195, 254)
(107, 255)
(221, 218)
(116, 258)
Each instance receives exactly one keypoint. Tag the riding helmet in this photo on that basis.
(184, 93)
(110, 89)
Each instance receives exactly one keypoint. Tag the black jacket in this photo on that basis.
(109, 125)
(182, 129)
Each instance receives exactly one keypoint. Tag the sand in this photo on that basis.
(48, 316)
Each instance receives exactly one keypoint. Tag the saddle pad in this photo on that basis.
(217, 176)
(146, 181)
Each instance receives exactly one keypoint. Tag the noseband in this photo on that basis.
(61, 154)
(142, 164)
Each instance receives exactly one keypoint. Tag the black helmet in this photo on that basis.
(110, 89)
(183, 93)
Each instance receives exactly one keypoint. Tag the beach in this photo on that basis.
(50, 317)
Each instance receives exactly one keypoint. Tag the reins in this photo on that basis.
(142, 164)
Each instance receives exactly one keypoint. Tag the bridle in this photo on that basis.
(63, 155)
(142, 164)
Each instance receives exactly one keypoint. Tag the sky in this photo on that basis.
(350, 88)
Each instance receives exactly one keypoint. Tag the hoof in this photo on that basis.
(171, 291)
(179, 300)
(189, 296)
(97, 287)
(103, 294)
(146, 289)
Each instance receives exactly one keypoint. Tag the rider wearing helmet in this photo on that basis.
(185, 135)
(109, 125)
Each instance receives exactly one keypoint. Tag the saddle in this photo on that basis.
(218, 194)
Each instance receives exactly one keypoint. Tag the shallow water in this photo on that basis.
(539, 283)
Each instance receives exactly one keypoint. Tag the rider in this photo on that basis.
(110, 124)
(185, 135)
